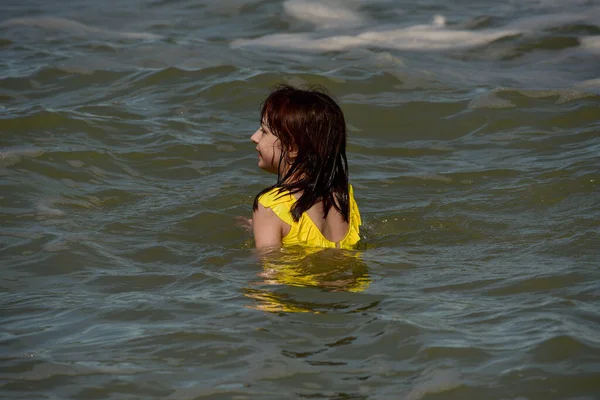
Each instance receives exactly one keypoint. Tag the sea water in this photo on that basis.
(125, 161)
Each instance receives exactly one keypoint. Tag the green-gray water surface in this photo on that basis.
(125, 160)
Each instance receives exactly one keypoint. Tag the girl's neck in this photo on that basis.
(296, 177)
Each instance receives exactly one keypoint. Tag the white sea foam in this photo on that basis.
(423, 37)
(74, 27)
(591, 44)
(324, 15)
(417, 37)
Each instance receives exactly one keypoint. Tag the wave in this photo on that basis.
(13, 155)
(421, 37)
(491, 99)
(323, 15)
(74, 27)
(591, 44)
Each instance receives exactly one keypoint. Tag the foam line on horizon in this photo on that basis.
(432, 36)
(420, 37)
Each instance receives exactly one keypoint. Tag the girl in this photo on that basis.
(302, 139)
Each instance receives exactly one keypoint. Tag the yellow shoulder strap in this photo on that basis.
(353, 207)
(280, 203)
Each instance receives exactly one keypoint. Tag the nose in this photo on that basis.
(255, 136)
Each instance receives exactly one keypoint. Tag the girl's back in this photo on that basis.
(274, 224)
(332, 227)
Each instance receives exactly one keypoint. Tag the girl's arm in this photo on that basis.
(267, 227)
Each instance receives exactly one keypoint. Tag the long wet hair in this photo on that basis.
(312, 132)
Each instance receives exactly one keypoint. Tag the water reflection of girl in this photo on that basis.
(327, 270)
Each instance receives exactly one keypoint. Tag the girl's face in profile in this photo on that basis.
(269, 149)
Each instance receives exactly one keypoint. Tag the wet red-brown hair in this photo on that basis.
(312, 131)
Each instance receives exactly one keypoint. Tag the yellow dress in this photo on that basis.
(304, 232)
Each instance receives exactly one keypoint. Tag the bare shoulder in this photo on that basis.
(267, 227)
